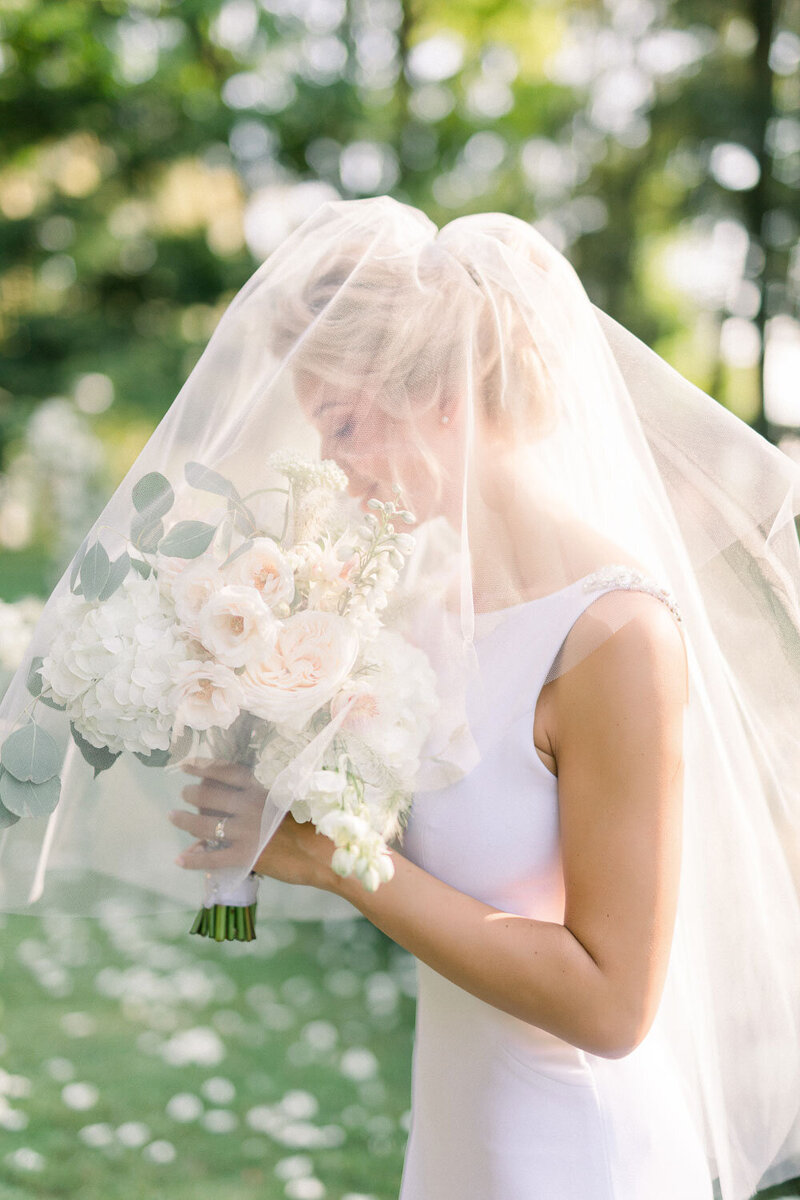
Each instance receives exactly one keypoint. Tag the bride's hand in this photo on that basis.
(295, 853)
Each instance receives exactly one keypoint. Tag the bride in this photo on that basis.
(554, 1055)
(599, 875)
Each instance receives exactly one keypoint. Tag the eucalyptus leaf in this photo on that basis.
(153, 495)
(239, 550)
(144, 569)
(34, 680)
(30, 753)
(117, 572)
(7, 819)
(94, 571)
(27, 799)
(146, 533)
(188, 539)
(99, 757)
(51, 703)
(156, 758)
(206, 480)
(244, 523)
(76, 565)
(182, 746)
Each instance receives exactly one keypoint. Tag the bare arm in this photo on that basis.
(596, 980)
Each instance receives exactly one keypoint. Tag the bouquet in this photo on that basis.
(235, 639)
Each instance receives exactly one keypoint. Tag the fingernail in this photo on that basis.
(180, 861)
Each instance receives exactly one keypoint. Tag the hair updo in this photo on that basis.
(411, 325)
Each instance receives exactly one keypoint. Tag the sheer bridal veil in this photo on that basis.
(462, 376)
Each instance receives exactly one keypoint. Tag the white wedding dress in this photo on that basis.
(503, 1110)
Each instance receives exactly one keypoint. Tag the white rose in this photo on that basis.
(193, 587)
(236, 626)
(307, 664)
(206, 694)
(264, 567)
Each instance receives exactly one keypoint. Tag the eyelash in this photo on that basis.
(346, 427)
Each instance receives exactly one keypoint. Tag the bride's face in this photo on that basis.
(377, 451)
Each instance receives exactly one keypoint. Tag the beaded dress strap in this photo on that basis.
(618, 575)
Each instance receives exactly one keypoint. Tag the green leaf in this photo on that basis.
(239, 550)
(244, 523)
(34, 680)
(146, 533)
(156, 758)
(27, 799)
(94, 571)
(30, 753)
(143, 568)
(188, 539)
(153, 495)
(7, 819)
(117, 572)
(99, 757)
(181, 747)
(51, 703)
(206, 480)
(76, 565)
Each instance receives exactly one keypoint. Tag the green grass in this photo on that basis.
(94, 1012)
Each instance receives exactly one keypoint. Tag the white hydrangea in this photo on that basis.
(112, 665)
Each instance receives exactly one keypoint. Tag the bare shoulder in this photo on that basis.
(623, 660)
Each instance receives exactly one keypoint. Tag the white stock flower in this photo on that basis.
(112, 663)
(306, 665)
(236, 626)
(359, 848)
(206, 694)
(264, 566)
(324, 794)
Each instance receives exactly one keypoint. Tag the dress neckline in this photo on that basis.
(491, 612)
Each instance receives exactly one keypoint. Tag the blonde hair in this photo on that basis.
(415, 324)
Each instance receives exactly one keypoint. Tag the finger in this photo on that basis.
(233, 774)
(199, 858)
(217, 797)
(198, 826)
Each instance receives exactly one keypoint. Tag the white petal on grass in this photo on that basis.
(320, 1035)
(16, 1086)
(201, 1046)
(305, 1189)
(133, 1133)
(159, 1151)
(184, 1106)
(97, 1135)
(12, 1119)
(358, 1063)
(220, 1120)
(296, 1166)
(78, 1024)
(218, 1090)
(25, 1159)
(60, 1069)
(80, 1095)
(299, 1104)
